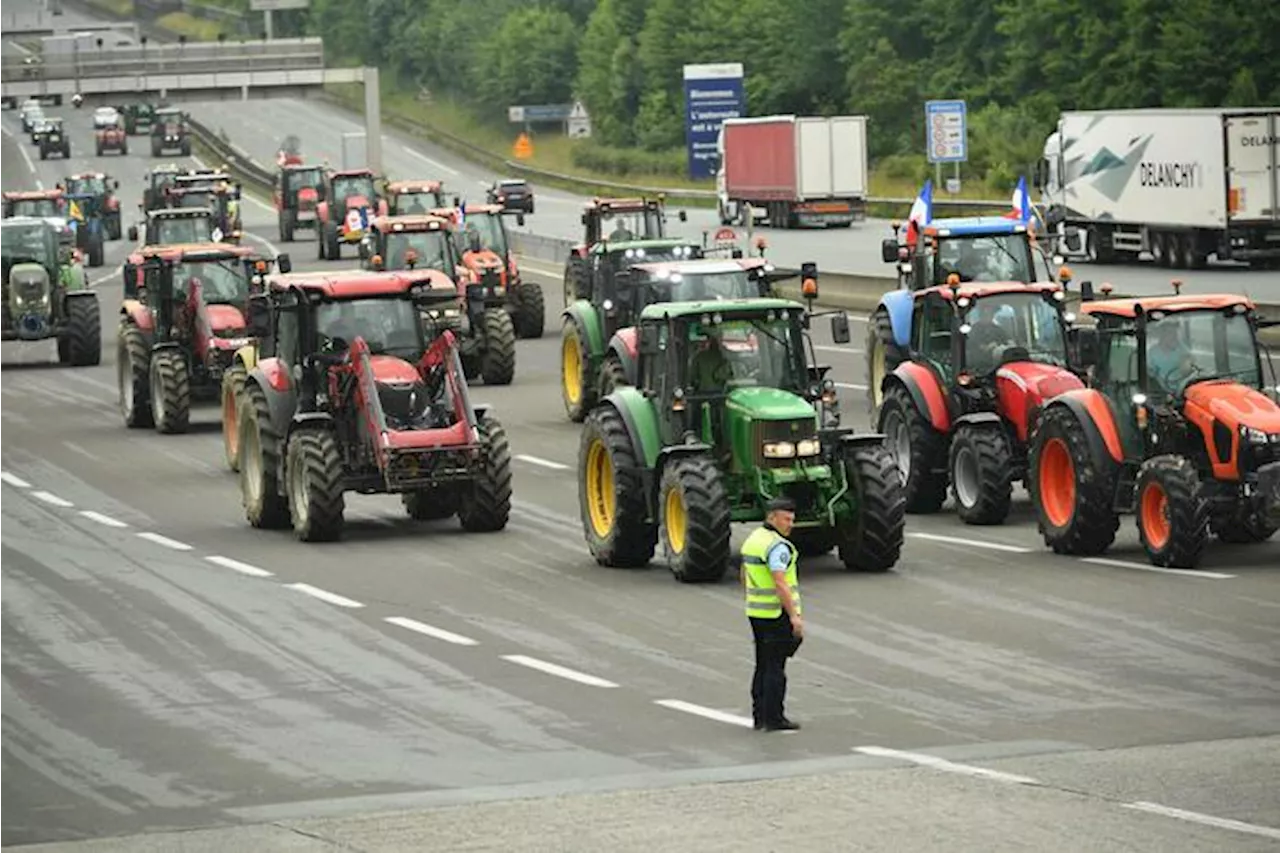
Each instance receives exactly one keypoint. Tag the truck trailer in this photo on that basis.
(793, 171)
(1179, 184)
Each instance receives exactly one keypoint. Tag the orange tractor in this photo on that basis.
(414, 196)
(1180, 426)
(484, 247)
(348, 203)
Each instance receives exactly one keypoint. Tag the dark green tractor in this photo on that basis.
(727, 414)
(138, 118)
(45, 291)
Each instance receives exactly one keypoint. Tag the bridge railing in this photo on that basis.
(195, 58)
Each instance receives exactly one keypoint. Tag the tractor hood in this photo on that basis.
(1236, 405)
(389, 370)
(768, 404)
(483, 259)
(225, 318)
(1023, 387)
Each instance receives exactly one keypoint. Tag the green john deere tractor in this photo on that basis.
(45, 291)
(726, 415)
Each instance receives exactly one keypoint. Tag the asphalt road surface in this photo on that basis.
(168, 668)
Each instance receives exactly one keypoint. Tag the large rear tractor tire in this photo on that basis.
(883, 357)
(95, 250)
(530, 313)
(575, 274)
(170, 391)
(430, 504)
(133, 376)
(259, 454)
(1243, 525)
(611, 493)
(981, 473)
(576, 388)
(1173, 518)
(873, 542)
(313, 469)
(693, 512)
(232, 388)
(1073, 493)
(84, 331)
(919, 450)
(498, 364)
(485, 506)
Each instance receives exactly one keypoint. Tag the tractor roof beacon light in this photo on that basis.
(1177, 286)
(809, 282)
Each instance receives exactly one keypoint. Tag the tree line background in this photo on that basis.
(1016, 62)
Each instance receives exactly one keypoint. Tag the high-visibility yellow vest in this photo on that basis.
(762, 595)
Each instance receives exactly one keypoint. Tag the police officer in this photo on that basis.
(773, 608)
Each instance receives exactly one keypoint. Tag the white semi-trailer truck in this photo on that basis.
(1179, 184)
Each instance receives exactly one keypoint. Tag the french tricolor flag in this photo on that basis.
(921, 212)
(1021, 202)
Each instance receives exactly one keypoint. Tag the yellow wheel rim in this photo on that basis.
(676, 520)
(602, 503)
(877, 371)
(571, 367)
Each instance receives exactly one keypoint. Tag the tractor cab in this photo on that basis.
(409, 242)
(28, 241)
(35, 203)
(625, 219)
(159, 180)
(138, 118)
(214, 191)
(169, 226)
(96, 184)
(352, 188)
(350, 201)
(418, 196)
(978, 248)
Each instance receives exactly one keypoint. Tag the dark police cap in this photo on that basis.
(781, 505)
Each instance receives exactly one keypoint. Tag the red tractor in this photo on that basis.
(414, 196)
(357, 390)
(111, 138)
(488, 339)
(616, 220)
(37, 203)
(298, 192)
(179, 330)
(983, 359)
(349, 202)
(1180, 426)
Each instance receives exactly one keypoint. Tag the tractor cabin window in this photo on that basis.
(1015, 321)
(1185, 347)
(286, 337)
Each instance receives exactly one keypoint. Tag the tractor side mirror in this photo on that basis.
(520, 219)
(259, 320)
(840, 328)
(133, 233)
(1086, 345)
(457, 201)
(889, 250)
(284, 263)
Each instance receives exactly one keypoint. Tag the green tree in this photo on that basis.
(528, 55)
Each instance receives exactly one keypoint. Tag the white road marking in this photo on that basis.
(14, 480)
(51, 499)
(1207, 820)
(562, 672)
(431, 631)
(842, 350)
(545, 463)
(973, 543)
(165, 541)
(102, 519)
(324, 595)
(851, 386)
(936, 763)
(237, 566)
(26, 158)
(1146, 567)
(709, 713)
(437, 164)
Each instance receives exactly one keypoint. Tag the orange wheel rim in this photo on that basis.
(1057, 483)
(1154, 511)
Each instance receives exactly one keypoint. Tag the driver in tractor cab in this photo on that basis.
(711, 369)
(416, 206)
(621, 233)
(1167, 356)
(990, 334)
(341, 326)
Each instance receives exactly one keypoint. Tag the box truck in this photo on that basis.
(793, 171)
(1179, 184)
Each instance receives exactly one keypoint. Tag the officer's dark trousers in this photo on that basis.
(774, 644)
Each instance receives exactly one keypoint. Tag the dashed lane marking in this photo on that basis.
(545, 463)
(1205, 819)
(102, 519)
(26, 158)
(14, 480)
(708, 713)
(51, 499)
(324, 595)
(431, 631)
(972, 543)
(936, 763)
(237, 566)
(435, 163)
(560, 671)
(1141, 567)
(851, 386)
(165, 541)
(841, 350)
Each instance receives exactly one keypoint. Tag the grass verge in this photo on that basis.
(115, 7)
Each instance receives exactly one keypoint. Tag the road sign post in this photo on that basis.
(946, 136)
(268, 7)
(712, 93)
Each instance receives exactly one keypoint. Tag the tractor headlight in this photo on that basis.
(808, 447)
(779, 450)
(1253, 436)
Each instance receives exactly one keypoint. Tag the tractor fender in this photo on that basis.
(79, 294)
(850, 440)
(137, 314)
(926, 392)
(322, 211)
(899, 304)
(975, 418)
(641, 419)
(305, 419)
(626, 346)
(587, 318)
(1094, 415)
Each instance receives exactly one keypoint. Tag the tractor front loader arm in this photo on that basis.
(442, 361)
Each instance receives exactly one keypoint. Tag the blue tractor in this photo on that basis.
(931, 252)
